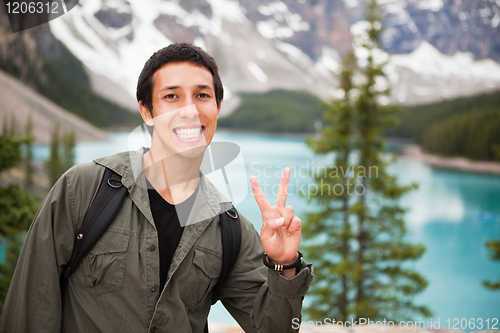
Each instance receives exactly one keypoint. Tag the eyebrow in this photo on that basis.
(200, 86)
(169, 88)
(205, 86)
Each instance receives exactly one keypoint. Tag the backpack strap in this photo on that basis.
(101, 213)
(231, 242)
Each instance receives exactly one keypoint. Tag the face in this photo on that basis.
(184, 111)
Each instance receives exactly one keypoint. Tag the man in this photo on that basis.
(154, 270)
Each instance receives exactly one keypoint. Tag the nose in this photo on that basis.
(189, 111)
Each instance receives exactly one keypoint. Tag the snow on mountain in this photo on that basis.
(266, 44)
(427, 60)
(114, 38)
(108, 51)
(278, 12)
(257, 72)
(425, 73)
(449, 25)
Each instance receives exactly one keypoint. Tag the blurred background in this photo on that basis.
(67, 92)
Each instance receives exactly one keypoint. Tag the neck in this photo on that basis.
(174, 177)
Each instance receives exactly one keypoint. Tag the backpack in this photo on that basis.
(106, 205)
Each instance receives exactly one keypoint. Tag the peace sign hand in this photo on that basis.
(281, 229)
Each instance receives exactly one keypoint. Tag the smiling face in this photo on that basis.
(184, 111)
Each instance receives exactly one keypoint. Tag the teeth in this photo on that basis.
(188, 133)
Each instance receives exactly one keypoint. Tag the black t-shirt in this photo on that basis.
(168, 226)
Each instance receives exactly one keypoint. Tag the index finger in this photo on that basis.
(283, 189)
(259, 195)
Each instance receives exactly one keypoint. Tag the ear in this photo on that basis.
(146, 114)
(218, 109)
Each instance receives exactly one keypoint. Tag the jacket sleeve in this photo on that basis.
(259, 298)
(33, 302)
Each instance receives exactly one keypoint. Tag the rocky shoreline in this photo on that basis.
(415, 153)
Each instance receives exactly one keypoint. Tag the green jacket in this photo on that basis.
(115, 287)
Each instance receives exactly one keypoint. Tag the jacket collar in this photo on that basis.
(207, 203)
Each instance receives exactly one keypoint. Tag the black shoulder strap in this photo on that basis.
(101, 213)
(231, 242)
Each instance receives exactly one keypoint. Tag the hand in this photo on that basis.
(281, 229)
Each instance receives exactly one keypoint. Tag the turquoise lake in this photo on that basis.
(449, 213)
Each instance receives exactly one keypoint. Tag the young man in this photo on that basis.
(155, 267)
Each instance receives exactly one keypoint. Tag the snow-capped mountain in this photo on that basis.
(291, 44)
(450, 25)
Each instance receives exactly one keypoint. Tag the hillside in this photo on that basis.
(465, 126)
(414, 119)
(43, 63)
(276, 111)
(20, 101)
(474, 134)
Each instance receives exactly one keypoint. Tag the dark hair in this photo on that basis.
(178, 52)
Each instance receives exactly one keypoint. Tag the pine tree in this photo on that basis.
(28, 166)
(18, 209)
(62, 154)
(5, 126)
(13, 126)
(68, 159)
(494, 252)
(53, 165)
(357, 240)
(337, 136)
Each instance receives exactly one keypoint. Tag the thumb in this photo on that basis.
(270, 226)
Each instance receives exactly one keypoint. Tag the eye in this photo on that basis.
(203, 95)
(169, 96)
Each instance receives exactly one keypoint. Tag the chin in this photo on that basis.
(193, 153)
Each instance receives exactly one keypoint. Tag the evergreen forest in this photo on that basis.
(465, 126)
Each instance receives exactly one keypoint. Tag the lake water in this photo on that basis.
(449, 214)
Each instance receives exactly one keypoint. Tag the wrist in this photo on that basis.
(285, 262)
(289, 273)
(283, 266)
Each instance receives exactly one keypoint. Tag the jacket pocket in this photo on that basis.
(203, 276)
(103, 269)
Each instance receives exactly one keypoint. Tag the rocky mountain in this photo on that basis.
(19, 54)
(22, 62)
(41, 62)
(442, 48)
(292, 44)
(449, 25)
